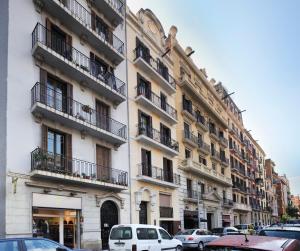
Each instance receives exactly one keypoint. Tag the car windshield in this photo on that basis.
(281, 233)
(217, 230)
(186, 232)
(121, 233)
(240, 227)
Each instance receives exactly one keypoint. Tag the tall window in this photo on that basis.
(168, 170)
(188, 153)
(56, 142)
(186, 127)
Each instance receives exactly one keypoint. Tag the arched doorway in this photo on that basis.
(109, 218)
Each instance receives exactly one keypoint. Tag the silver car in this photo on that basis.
(195, 238)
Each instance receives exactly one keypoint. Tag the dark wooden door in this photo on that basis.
(146, 163)
(109, 218)
(102, 115)
(163, 101)
(165, 134)
(168, 170)
(103, 163)
(143, 212)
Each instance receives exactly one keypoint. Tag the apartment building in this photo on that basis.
(295, 201)
(271, 195)
(283, 193)
(152, 123)
(65, 150)
(205, 192)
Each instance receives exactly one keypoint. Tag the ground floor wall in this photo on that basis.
(73, 215)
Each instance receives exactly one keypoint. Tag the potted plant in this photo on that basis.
(86, 108)
(39, 157)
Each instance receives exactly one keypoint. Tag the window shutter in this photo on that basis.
(93, 16)
(68, 153)
(44, 143)
(43, 86)
(70, 99)
(48, 32)
(164, 200)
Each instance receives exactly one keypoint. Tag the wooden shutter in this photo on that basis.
(103, 163)
(48, 32)
(164, 200)
(43, 86)
(44, 143)
(68, 151)
(93, 17)
(68, 47)
(69, 99)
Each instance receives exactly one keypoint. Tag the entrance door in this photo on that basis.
(103, 163)
(144, 212)
(209, 221)
(109, 218)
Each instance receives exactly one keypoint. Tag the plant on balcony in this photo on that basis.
(39, 157)
(93, 176)
(86, 108)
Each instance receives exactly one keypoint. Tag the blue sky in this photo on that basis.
(253, 48)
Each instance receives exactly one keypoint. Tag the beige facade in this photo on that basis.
(152, 119)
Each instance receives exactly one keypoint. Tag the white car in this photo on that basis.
(195, 238)
(139, 237)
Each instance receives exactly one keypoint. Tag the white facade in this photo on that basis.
(24, 130)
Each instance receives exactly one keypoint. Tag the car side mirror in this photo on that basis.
(61, 249)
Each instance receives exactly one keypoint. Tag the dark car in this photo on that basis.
(32, 244)
(284, 232)
(252, 242)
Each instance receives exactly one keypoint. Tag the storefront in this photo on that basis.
(190, 219)
(57, 218)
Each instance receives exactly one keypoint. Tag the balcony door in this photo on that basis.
(101, 28)
(144, 87)
(186, 128)
(102, 115)
(99, 68)
(146, 163)
(163, 70)
(165, 135)
(189, 188)
(163, 101)
(142, 51)
(56, 94)
(103, 159)
(168, 170)
(145, 124)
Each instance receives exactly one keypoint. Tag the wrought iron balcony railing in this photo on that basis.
(158, 136)
(157, 101)
(215, 154)
(227, 202)
(158, 173)
(192, 194)
(201, 120)
(59, 102)
(48, 38)
(223, 140)
(187, 107)
(190, 136)
(155, 64)
(43, 160)
(203, 145)
(166, 212)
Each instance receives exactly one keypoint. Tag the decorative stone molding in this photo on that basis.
(138, 198)
(110, 196)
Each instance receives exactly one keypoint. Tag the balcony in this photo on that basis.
(203, 147)
(114, 10)
(190, 139)
(201, 170)
(155, 138)
(188, 112)
(154, 103)
(201, 123)
(224, 161)
(215, 155)
(166, 212)
(213, 133)
(241, 207)
(79, 20)
(152, 67)
(63, 169)
(227, 203)
(157, 176)
(48, 103)
(48, 48)
(191, 196)
(223, 141)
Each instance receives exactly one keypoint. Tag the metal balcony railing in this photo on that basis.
(157, 101)
(201, 120)
(158, 173)
(158, 136)
(80, 13)
(166, 212)
(215, 154)
(223, 140)
(44, 36)
(224, 160)
(227, 202)
(187, 107)
(43, 160)
(51, 98)
(192, 194)
(203, 145)
(155, 65)
(190, 136)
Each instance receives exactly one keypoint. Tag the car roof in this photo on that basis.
(254, 242)
(23, 238)
(136, 226)
(283, 228)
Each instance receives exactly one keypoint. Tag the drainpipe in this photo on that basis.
(128, 124)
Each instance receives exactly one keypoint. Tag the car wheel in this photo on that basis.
(179, 248)
(200, 246)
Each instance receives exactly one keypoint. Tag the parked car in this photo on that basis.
(221, 231)
(253, 242)
(245, 228)
(32, 244)
(140, 237)
(195, 238)
(284, 232)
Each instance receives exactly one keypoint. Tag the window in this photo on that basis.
(56, 142)
(186, 127)
(37, 245)
(7, 245)
(223, 170)
(234, 197)
(146, 234)
(121, 233)
(214, 166)
(188, 153)
(164, 235)
(202, 160)
(168, 170)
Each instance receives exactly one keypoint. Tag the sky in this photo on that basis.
(253, 48)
